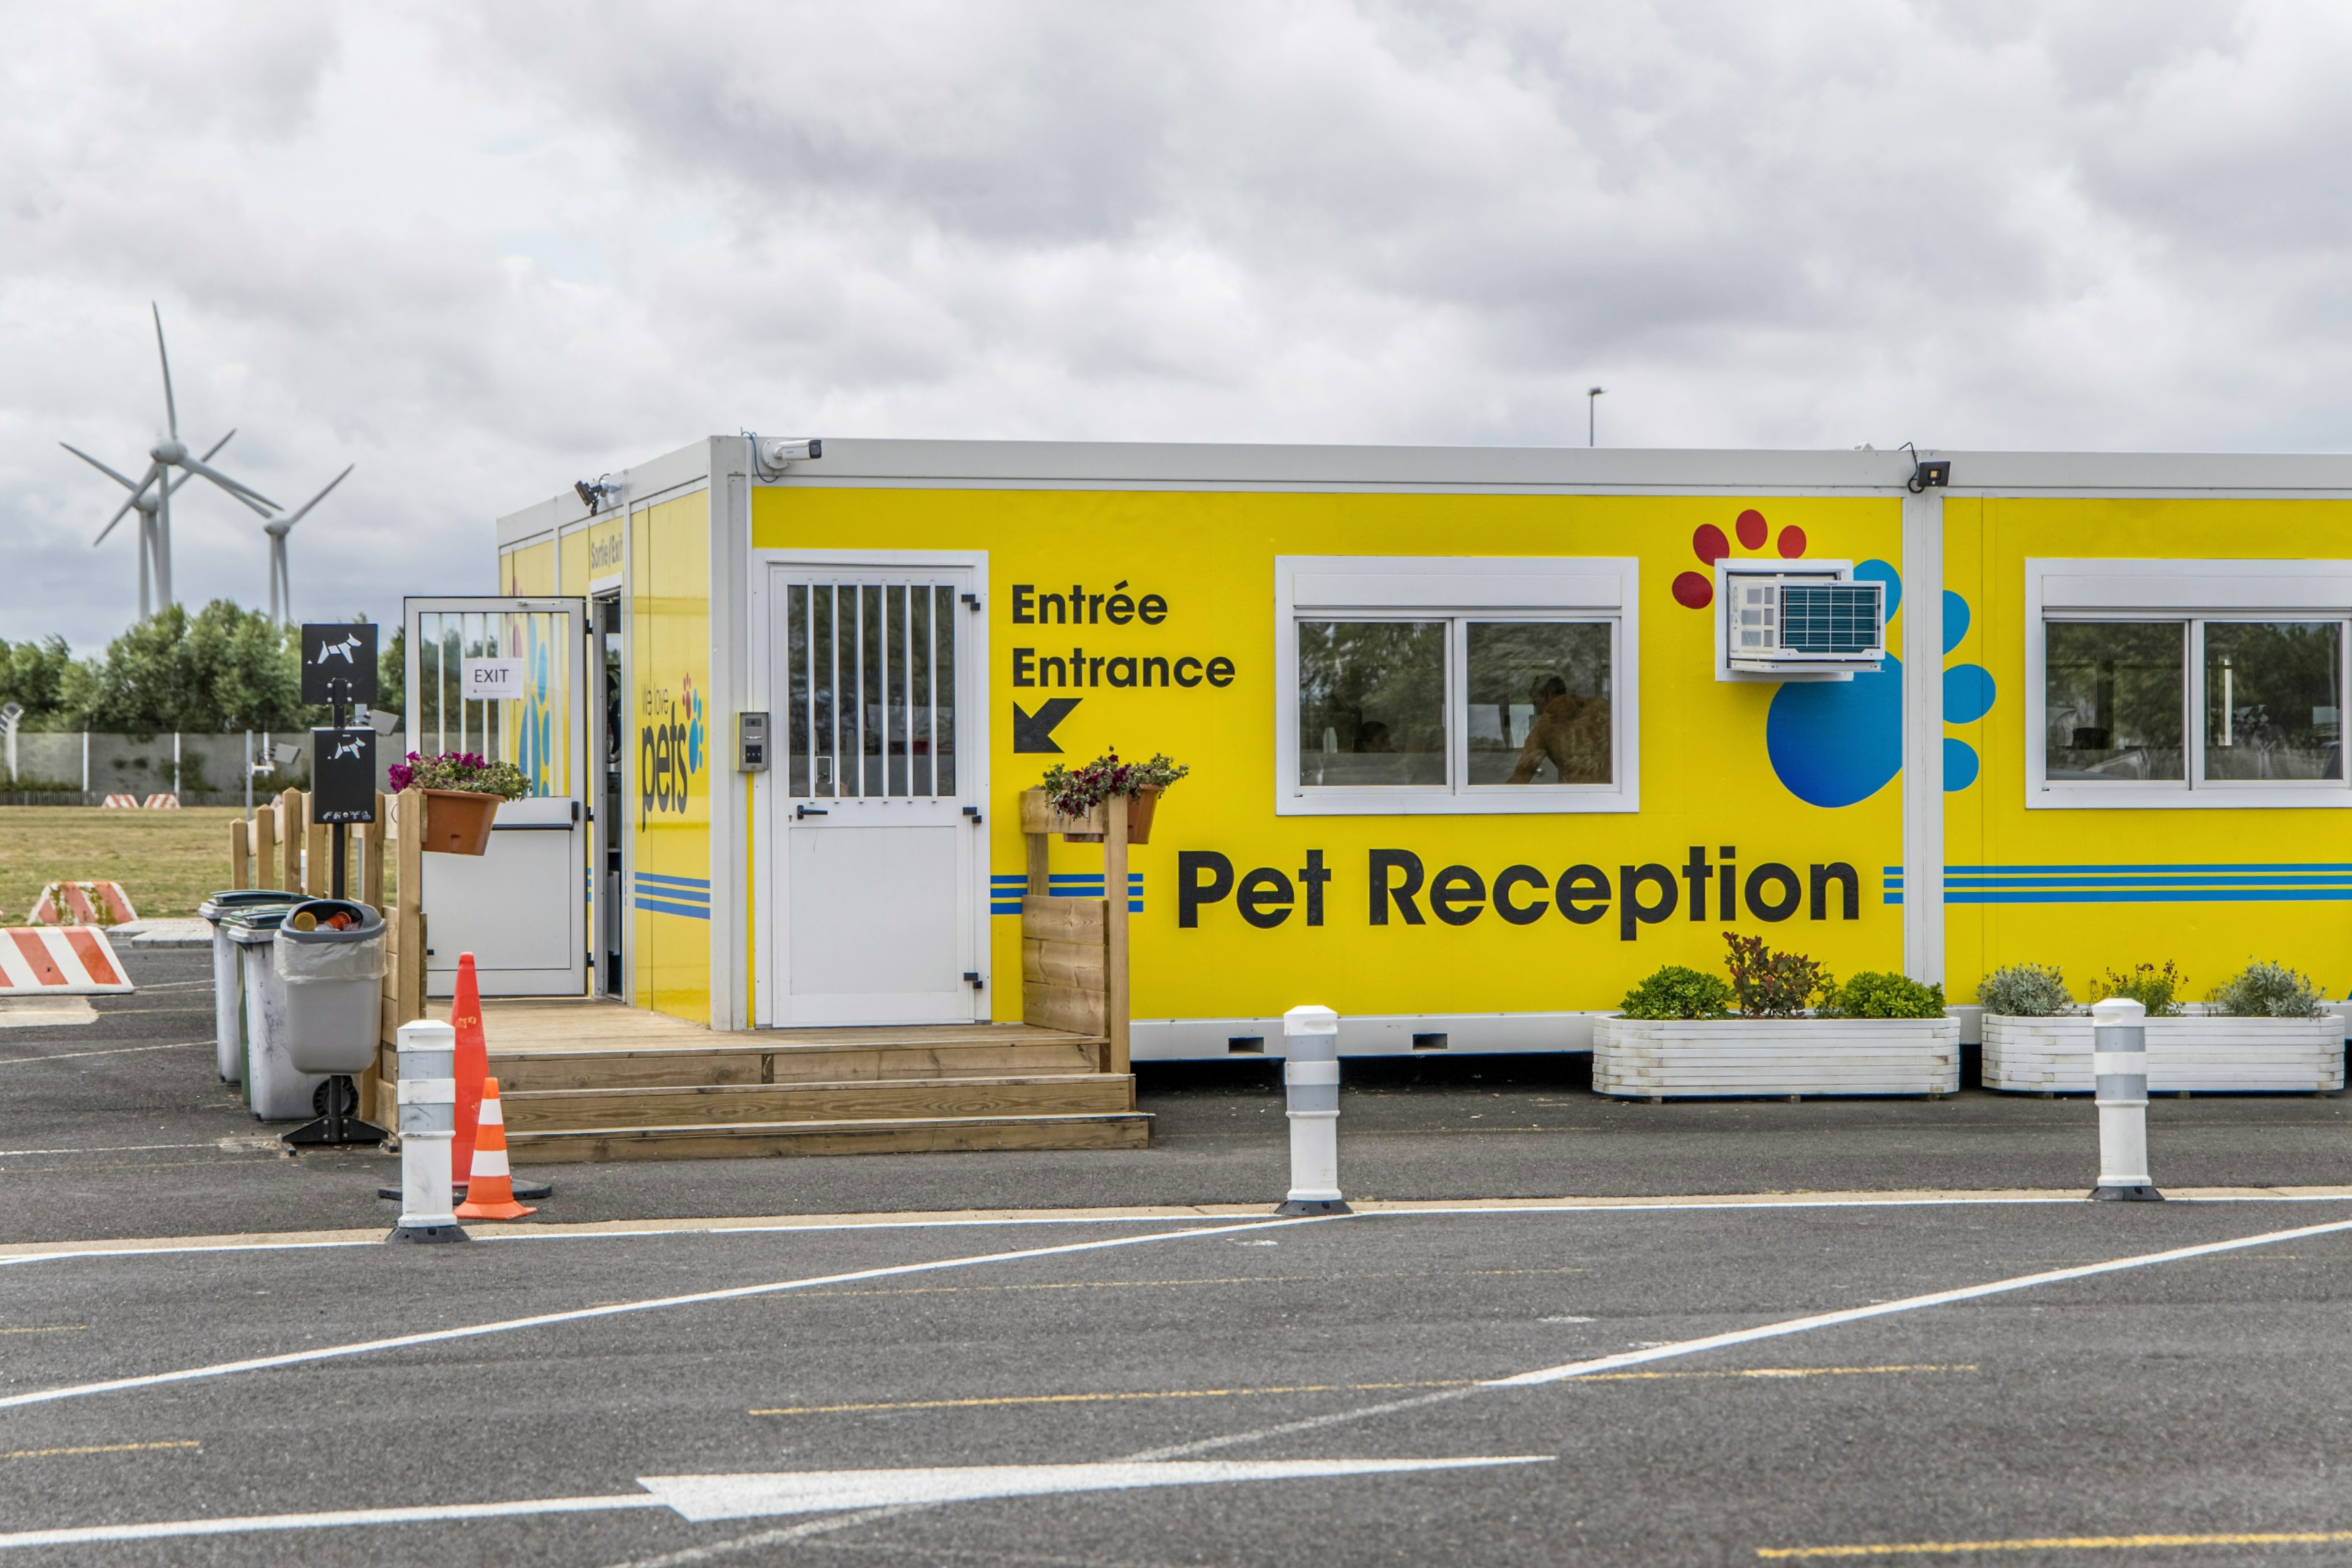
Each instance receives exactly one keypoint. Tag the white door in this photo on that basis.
(875, 800)
(520, 909)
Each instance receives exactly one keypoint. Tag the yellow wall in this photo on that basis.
(530, 569)
(668, 734)
(1705, 776)
(574, 547)
(1987, 825)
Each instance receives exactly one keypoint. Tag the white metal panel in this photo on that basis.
(871, 885)
(1922, 609)
(520, 909)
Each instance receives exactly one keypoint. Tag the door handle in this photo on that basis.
(802, 810)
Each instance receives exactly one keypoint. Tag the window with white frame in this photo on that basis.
(2188, 682)
(1424, 684)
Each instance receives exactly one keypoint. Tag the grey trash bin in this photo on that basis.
(228, 988)
(330, 983)
(273, 1087)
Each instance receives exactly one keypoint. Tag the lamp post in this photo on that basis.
(1591, 403)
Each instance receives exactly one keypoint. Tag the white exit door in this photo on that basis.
(877, 882)
(504, 678)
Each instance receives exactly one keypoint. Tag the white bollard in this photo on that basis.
(428, 1122)
(1310, 1077)
(2119, 1074)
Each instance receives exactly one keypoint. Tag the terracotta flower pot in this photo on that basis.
(1139, 819)
(1138, 816)
(457, 821)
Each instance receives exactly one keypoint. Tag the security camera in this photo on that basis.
(779, 452)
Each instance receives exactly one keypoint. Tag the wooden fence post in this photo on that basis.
(265, 847)
(240, 855)
(1114, 929)
(291, 836)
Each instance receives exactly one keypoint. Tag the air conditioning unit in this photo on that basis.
(1818, 624)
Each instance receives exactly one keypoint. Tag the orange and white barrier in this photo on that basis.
(121, 803)
(490, 1191)
(162, 802)
(60, 961)
(83, 901)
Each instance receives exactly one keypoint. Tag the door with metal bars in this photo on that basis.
(505, 679)
(881, 917)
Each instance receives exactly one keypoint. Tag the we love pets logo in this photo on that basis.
(672, 747)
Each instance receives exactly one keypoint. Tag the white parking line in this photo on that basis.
(1680, 1348)
(704, 1500)
(612, 1310)
(113, 1051)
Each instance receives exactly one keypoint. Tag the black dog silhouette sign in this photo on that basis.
(339, 663)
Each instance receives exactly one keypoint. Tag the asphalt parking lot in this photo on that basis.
(1083, 1367)
(1936, 1364)
(120, 1128)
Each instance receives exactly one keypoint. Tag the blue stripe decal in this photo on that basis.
(2212, 866)
(702, 882)
(2213, 882)
(1006, 890)
(691, 911)
(2182, 896)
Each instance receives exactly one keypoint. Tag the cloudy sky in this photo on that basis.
(482, 250)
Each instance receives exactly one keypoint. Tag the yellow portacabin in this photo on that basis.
(1474, 742)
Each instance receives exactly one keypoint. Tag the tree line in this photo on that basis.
(220, 669)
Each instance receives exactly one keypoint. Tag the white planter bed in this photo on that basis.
(1677, 1058)
(2217, 1055)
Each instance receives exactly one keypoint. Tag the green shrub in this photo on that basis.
(1674, 992)
(1885, 995)
(2158, 989)
(2024, 991)
(1769, 984)
(2268, 990)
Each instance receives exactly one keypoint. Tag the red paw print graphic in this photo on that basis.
(1695, 590)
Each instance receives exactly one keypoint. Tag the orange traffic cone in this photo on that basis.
(490, 1192)
(472, 1064)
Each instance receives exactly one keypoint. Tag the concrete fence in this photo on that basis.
(63, 767)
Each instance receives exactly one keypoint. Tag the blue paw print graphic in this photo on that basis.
(1835, 743)
(693, 727)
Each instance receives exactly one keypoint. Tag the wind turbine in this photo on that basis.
(145, 505)
(163, 458)
(281, 587)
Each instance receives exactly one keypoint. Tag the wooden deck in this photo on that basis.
(588, 1079)
(523, 1025)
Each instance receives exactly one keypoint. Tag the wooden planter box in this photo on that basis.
(1036, 817)
(457, 821)
(2215, 1055)
(1685, 1058)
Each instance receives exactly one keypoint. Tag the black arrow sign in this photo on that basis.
(1035, 732)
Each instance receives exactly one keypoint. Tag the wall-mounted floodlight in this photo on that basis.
(1927, 473)
(593, 493)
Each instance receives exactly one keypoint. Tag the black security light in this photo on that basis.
(1927, 473)
(593, 493)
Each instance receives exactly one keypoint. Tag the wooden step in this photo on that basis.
(892, 1100)
(1130, 1130)
(763, 1062)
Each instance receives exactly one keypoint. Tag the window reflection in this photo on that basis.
(1371, 702)
(1539, 709)
(2273, 700)
(2115, 692)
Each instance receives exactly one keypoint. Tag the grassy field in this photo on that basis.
(166, 860)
